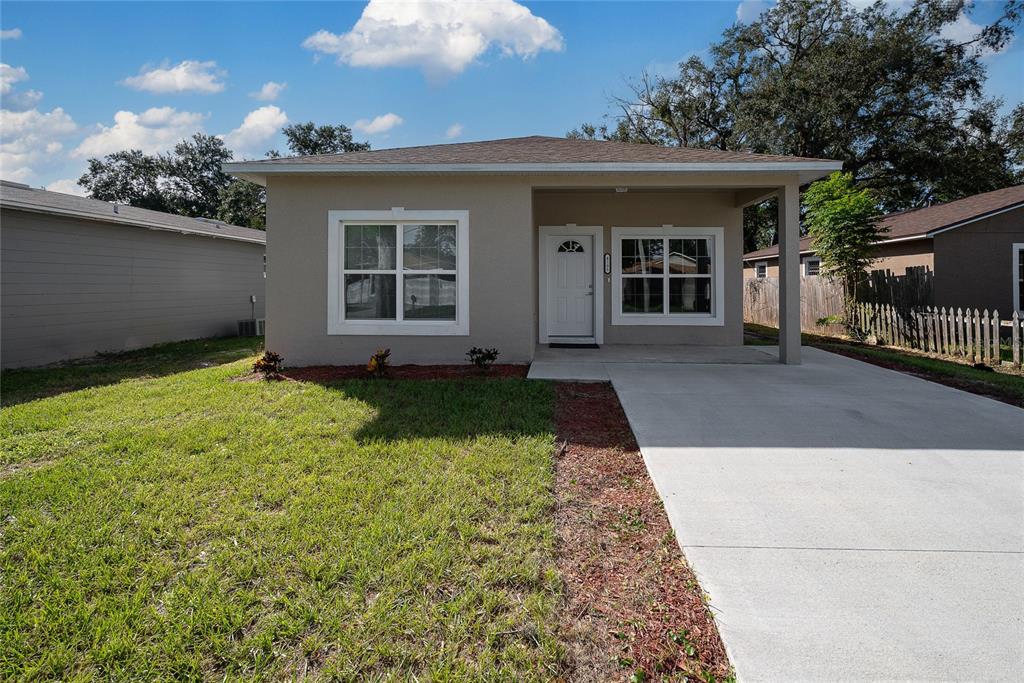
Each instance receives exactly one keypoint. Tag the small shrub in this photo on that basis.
(482, 358)
(268, 365)
(379, 363)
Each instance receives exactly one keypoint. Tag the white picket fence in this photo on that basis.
(975, 336)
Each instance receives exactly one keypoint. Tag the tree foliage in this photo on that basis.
(877, 87)
(309, 138)
(189, 179)
(842, 220)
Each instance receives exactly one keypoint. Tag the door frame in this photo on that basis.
(597, 233)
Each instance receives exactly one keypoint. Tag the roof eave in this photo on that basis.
(119, 220)
(258, 171)
(775, 254)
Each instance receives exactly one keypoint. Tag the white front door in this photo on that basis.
(570, 285)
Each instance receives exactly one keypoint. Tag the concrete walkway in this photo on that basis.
(848, 522)
(592, 364)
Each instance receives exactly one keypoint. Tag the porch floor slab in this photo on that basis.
(592, 364)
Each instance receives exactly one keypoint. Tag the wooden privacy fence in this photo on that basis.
(973, 335)
(819, 298)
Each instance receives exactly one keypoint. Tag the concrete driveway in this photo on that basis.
(848, 522)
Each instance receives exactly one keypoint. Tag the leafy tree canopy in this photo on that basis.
(189, 181)
(877, 87)
(309, 138)
(842, 219)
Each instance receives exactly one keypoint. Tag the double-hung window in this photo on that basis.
(398, 272)
(667, 276)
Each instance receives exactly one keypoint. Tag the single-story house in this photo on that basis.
(513, 243)
(973, 246)
(82, 276)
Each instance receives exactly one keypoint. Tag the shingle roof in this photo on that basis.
(536, 149)
(922, 222)
(22, 197)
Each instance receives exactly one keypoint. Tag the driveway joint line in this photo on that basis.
(865, 550)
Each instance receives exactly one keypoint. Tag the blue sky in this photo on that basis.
(171, 69)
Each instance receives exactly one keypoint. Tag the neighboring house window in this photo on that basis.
(812, 266)
(1018, 276)
(761, 270)
(667, 276)
(398, 272)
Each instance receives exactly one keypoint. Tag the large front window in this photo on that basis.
(404, 275)
(666, 276)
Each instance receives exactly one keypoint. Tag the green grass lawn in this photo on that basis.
(17, 386)
(180, 525)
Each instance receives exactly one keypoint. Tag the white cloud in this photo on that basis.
(20, 101)
(10, 34)
(749, 10)
(67, 186)
(454, 131)
(28, 138)
(154, 130)
(440, 37)
(257, 128)
(9, 75)
(269, 92)
(379, 124)
(186, 76)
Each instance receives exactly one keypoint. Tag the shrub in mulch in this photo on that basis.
(268, 365)
(633, 609)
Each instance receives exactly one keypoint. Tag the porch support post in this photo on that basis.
(789, 274)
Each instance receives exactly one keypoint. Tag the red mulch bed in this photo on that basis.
(330, 373)
(632, 602)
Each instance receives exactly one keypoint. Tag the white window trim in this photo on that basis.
(546, 231)
(758, 265)
(1017, 246)
(717, 315)
(336, 323)
(808, 259)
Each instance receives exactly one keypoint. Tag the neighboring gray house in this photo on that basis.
(514, 243)
(81, 276)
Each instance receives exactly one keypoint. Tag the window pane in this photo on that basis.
(370, 297)
(643, 257)
(813, 267)
(688, 256)
(689, 295)
(430, 297)
(643, 295)
(429, 247)
(370, 247)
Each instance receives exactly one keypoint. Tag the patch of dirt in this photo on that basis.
(631, 602)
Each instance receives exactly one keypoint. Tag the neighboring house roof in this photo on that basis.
(24, 198)
(529, 154)
(929, 221)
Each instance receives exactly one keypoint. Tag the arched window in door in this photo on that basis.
(570, 247)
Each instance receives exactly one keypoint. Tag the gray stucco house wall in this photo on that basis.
(512, 244)
(78, 279)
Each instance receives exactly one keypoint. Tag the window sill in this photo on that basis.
(695, 319)
(355, 328)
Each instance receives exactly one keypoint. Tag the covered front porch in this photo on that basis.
(592, 364)
(652, 273)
